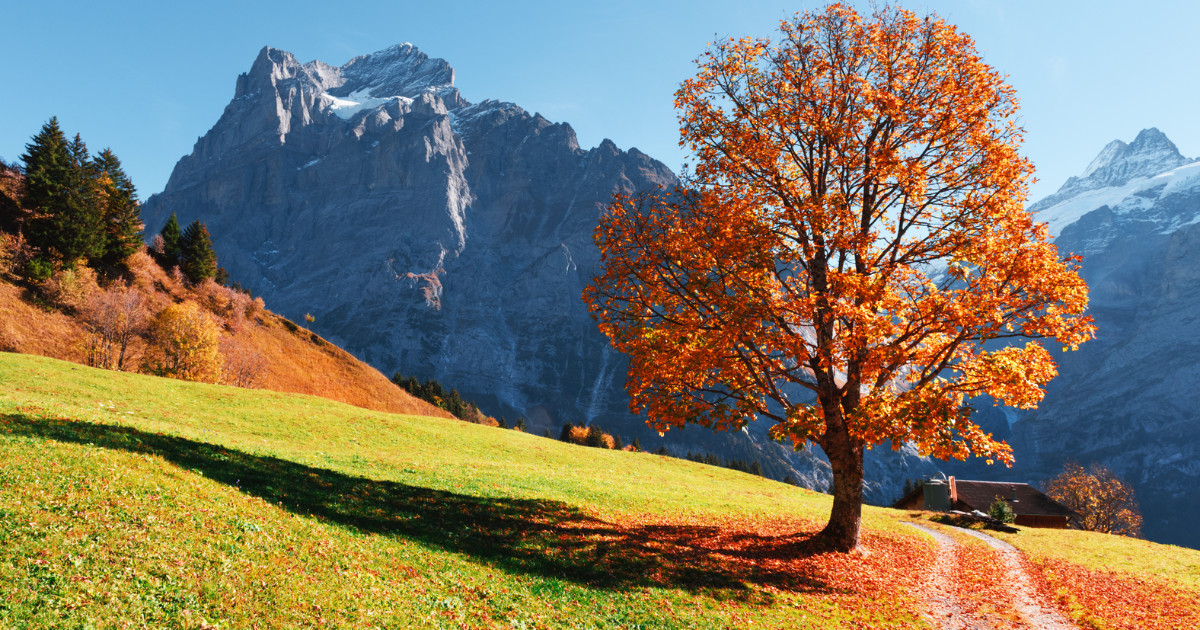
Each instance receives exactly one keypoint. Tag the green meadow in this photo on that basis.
(135, 501)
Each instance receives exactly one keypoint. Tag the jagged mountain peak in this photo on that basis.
(1150, 153)
(400, 70)
(1118, 163)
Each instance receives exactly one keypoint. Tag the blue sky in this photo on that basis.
(147, 79)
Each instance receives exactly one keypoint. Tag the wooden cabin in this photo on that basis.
(1031, 507)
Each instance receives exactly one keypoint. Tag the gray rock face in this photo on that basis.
(432, 236)
(1127, 398)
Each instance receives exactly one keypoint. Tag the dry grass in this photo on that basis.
(302, 363)
(29, 328)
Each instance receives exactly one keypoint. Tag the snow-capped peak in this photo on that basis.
(1119, 173)
(1150, 153)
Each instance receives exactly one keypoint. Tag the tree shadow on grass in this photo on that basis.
(538, 537)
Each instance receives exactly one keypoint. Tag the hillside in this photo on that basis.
(283, 357)
(130, 500)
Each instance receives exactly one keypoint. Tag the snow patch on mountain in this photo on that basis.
(357, 101)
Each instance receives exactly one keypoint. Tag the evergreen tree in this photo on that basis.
(756, 468)
(198, 260)
(520, 425)
(119, 209)
(595, 437)
(503, 422)
(565, 436)
(59, 184)
(170, 256)
(637, 445)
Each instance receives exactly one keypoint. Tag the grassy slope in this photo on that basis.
(150, 501)
(130, 501)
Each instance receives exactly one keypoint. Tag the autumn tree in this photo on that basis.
(184, 344)
(1101, 500)
(114, 318)
(851, 258)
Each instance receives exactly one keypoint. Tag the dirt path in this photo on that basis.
(946, 611)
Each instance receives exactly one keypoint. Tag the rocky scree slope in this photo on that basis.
(433, 236)
(1127, 399)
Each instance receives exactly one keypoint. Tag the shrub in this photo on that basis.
(142, 270)
(39, 269)
(1001, 511)
(184, 344)
(71, 287)
(15, 254)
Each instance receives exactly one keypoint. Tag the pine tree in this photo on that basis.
(198, 260)
(595, 437)
(637, 445)
(170, 256)
(565, 435)
(59, 185)
(119, 209)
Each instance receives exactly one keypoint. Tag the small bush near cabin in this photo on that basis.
(1001, 511)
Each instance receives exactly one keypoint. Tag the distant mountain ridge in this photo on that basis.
(432, 236)
(1126, 399)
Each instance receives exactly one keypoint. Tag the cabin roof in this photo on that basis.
(979, 495)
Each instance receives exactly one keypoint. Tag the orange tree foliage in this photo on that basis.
(1102, 501)
(184, 344)
(852, 234)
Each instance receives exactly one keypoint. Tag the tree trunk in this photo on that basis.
(845, 520)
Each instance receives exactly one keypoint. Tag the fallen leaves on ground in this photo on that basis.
(1109, 599)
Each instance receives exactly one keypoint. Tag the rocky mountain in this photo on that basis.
(1128, 398)
(433, 236)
